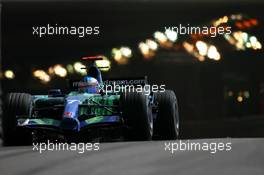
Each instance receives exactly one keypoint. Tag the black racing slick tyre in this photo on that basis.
(16, 104)
(166, 125)
(137, 115)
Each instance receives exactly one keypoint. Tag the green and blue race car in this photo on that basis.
(89, 113)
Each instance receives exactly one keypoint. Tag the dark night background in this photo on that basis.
(200, 86)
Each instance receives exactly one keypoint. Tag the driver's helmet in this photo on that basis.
(90, 85)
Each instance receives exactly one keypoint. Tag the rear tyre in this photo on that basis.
(166, 125)
(16, 104)
(137, 115)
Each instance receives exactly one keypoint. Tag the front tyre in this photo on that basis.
(137, 115)
(16, 104)
(166, 125)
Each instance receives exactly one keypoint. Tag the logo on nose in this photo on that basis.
(68, 114)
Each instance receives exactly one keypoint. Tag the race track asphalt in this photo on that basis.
(130, 158)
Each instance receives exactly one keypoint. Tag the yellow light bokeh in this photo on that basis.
(9, 74)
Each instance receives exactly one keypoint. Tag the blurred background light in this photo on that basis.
(70, 69)
(60, 70)
(116, 54)
(145, 49)
(243, 40)
(213, 53)
(240, 99)
(160, 37)
(126, 52)
(202, 47)
(79, 68)
(104, 65)
(152, 44)
(230, 93)
(51, 70)
(202, 50)
(188, 46)
(246, 94)
(220, 21)
(171, 35)
(41, 75)
(9, 74)
(122, 55)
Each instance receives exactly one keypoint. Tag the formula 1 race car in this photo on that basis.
(87, 113)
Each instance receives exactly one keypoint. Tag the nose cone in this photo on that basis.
(71, 108)
(70, 120)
